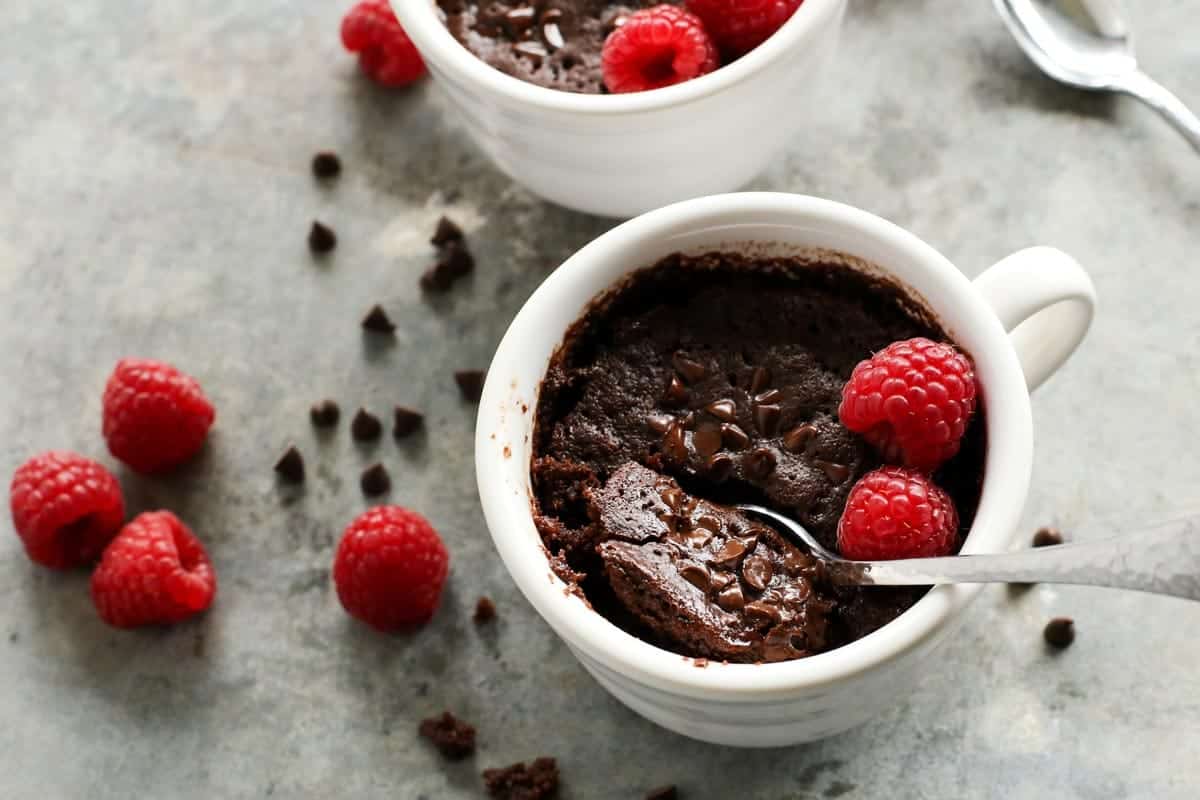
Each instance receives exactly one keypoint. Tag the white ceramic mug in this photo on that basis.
(1019, 320)
(620, 155)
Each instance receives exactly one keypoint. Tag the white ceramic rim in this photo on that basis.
(437, 44)
(1008, 466)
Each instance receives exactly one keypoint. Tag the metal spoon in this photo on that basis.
(1162, 560)
(1070, 53)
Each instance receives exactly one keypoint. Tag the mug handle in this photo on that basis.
(1045, 301)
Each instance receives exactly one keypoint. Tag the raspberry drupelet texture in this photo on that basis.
(912, 400)
(385, 53)
(155, 417)
(65, 508)
(657, 47)
(154, 572)
(390, 568)
(897, 513)
(739, 26)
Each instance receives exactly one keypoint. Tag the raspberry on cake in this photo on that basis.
(739, 26)
(65, 508)
(897, 513)
(155, 417)
(385, 53)
(657, 47)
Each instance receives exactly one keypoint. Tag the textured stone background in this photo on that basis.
(154, 196)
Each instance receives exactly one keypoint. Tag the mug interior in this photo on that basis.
(770, 224)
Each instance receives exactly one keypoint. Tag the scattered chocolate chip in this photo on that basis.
(673, 497)
(797, 439)
(720, 467)
(1047, 537)
(365, 426)
(663, 793)
(734, 437)
(763, 613)
(757, 571)
(485, 610)
(377, 321)
(534, 51)
(552, 36)
(766, 419)
(695, 574)
(450, 735)
(707, 441)
(676, 393)
(659, 422)
(760, 379)
(730, 553)
(406, 422)
(520, 20)
(731, 598)
(325, 414)
(326, 165)
(692, 371)
(375, 481)
(688, 421)
(470, 384)
(447, 231)
(321, 238)
(759, 463)
(1059, 632)
(673, 444)
(724, 410)
(837, 473)
(769, 397)
(536, 780)
(290, 466)
(454, 262)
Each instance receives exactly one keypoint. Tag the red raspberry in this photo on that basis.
(657, 47)
(897, 513)
(912, 400)
(739, 26)
(65, 508)
(155, 571)
(385, 52)
(155, 417)
(390, 568)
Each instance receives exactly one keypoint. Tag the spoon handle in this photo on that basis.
(1172, 109)
(1162, 560)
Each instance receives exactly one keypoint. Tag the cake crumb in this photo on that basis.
(536, 780)
(450, 735)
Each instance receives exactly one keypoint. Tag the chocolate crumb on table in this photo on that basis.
(470, 384)
(325, 414)
(1059, 632)
(406, 422)
(485, 610)
(377, 321)
(447, 231)
(326, 164)
(375, 480)
(663, 793)
(321, 238)
(1047, 537)
(290, 466)
(450, 735)
(365, 426)
(533, 781)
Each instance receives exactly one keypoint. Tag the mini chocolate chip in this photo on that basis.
(673, 444)
(325, 414)
(734, 437)
(365, 426)
(375, 480)
(692, 371)
(707, 440)
(720, 467)
(759, 463)
(485, 610)
(470, 384)
(676, 393)
(766, 419)
(553, 36)
(769, 397)
(326, 165)
(659, 422)
(290, 466)
(797, 439)
(837, 473)
(695, 574)
(1059, 632)
(1047, 537)
(757, 571)
(406, 421)
(763, 613)
(534, 51)
(729, 554)
(321, 238)
(731, 598)
(662, 793)
(377, 321)
(760, 379)
(724, 410)
(672, 497)
(447, 231)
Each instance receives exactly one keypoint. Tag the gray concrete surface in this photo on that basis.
(154, 196)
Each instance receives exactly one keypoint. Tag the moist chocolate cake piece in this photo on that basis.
(704, 577)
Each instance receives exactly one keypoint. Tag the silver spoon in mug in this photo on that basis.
(1072, 54)
(1164, 559)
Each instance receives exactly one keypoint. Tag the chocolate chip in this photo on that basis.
(321, 238)
(1047, 537)
(692, 371)
(456, 260)
(837, 473)
(377, 321)
(673, 497)
(326, 165)
(695, 574)
(290, 466)
(534, 51)
(673, 445)
(365, 426)
(325, 414)
(406, 422)
(757, 571)
(470, 384)
(688, 421)
(707, 440)
(720, 467)
(763, 613)
(537, 780)
(452, 737)
(447, 231)
(375, 480)
(676, 393)
(729, 554)
(759, 464)
(734, 437)
(659, 422)
(485, 610)
(766, 419)
(553, 36)
(663, 793)
(797, 439)
(760, 379)
(731, 598)
(1059, 632)
(724, 410)
(710, 523)
(520, 20)
(769, 397)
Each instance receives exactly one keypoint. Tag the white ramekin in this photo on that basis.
(1019, 320)
(620, 155)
